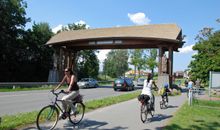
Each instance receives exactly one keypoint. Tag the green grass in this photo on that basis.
(23, 119)
(204, 115)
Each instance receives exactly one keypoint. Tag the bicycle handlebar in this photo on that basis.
(57, 93)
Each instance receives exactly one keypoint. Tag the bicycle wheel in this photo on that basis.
(151, 110)
(165, 103)
(78, 114)
(144, 113)
(161, 105)
(47, 118)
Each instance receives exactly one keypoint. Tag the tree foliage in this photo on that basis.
(208, 55)
(87, 64)
(37, 58)
(138, 59)
(116, 63)
(151, 62)
(12, 21)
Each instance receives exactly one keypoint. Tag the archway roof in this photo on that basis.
(145, 36)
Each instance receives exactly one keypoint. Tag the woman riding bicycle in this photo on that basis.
(146, 91)
(72, 91)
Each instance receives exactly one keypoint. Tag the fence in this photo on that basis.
(194, 95)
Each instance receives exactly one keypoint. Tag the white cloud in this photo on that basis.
(139, 18)
(102, 55)
(186, 49)
(82, 22)
(57, 28)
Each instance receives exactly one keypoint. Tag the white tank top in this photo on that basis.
(147, 88)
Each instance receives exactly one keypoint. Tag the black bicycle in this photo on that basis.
(147, 109)
(48, 116)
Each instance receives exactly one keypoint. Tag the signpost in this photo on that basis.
(214, 78)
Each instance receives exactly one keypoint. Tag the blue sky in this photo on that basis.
(190, 15)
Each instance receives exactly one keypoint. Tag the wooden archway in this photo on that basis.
(166, 37)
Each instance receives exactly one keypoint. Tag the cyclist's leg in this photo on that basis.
(70, 97)
(166, 95)
(152, 101)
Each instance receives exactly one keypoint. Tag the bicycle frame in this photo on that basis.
(54, 103)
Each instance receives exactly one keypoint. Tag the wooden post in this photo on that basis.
(170, 65)
(61, 64)
(68, 58)
(73, 61)
(161, 52)
(160, 61)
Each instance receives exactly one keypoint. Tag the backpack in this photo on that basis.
(161, 91)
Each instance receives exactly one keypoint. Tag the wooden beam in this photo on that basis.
(170, 65)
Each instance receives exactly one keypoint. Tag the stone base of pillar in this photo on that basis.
(162, 79)
(53, 76)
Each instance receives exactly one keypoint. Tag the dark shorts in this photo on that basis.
(143, 97)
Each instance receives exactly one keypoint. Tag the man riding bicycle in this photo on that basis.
(165, 91)
(147, 90)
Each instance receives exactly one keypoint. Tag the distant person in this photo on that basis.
(186, 82)
(72, 91)
(190, 84)
(147, 89)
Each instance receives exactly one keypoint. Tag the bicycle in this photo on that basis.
(164, 101)
(48, 116)
(146, 109)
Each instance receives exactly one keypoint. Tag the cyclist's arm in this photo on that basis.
(155, 86)
(64, 78)
(71, 83)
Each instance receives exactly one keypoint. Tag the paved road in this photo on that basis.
(27, 101)
(124, 116)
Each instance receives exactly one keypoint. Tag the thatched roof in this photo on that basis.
(155, 32)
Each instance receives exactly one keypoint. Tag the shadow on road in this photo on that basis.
(160, 117)
(170, 106)
(91, 125)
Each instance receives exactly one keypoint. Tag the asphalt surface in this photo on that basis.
(123, 116)
(27, 101)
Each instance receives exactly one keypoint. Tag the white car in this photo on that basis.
(140, 82)
(87, 83)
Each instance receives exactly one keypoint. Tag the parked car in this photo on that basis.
(87, 83)
(140, 81)
(123, 83)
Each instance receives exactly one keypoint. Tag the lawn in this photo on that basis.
(204, 115)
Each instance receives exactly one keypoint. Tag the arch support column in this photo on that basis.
(170, 69)
(161, 53)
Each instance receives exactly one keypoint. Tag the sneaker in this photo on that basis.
(60, 116)
(63, 115)
(73, 109)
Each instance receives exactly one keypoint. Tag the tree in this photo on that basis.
(12, 21)
(208, 55)
(151, 60)
(36, 56)
(116, 63)
(137, 59)
(88, 64)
